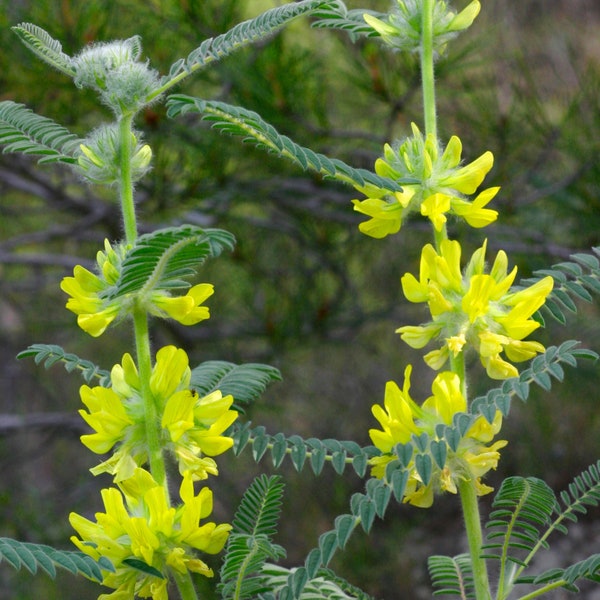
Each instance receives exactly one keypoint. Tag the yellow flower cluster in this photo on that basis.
(401, 418)
(442, 186)
(474, 308)
(191, 426)
(96, 307)
(140, 525)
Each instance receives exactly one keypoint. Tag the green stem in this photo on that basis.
(457, 365)
(126, 184)
(439, 237)
(140, 318)
(427, 74)
(470, 506)
(144, 364)
(185, 585)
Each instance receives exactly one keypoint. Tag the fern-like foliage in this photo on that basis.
(526, 512)
(243, 34)
(39, 556)
(523, 508)
(234, 120)
(326, 586)
(23, 131)
(576, 279)
(452, 576)
(301, 452)
(244, 382)
(350, 21)
(364, 508)
(50, 354)
(160, 260)
(45, 47)
(544, 368)
(250, 543)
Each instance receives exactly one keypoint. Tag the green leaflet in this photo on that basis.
(244, 382)
(25, 132)
(33, 556)
(452, 575)
(249, 545)
(525, 513)
(339, 453)
(234, 120)
(160, 260)
(350, 21)
(50, 354)
(577, 279)
(44, 47)
(243, 34)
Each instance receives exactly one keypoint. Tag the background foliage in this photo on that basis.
(303, 290)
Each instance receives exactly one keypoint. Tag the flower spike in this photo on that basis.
(401, 418)
(443, 189)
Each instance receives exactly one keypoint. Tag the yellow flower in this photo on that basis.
(443, 186)
(92, 299)
(192, 427)
(401, 417)
(139, 524)
(474, 308)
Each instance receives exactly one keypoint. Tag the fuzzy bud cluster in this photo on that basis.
(116, 72)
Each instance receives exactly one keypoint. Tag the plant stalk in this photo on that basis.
(185, 585)
(140, 318)
(470, 506)
(427, 71)
(126, 183)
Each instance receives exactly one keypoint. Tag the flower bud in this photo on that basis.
(404, 27)
(100, 158)
(115, 71)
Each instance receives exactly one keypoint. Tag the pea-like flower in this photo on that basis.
(93, 301)
(443, 186)
(140, 525)
(401, 417)
(474, 308)
(191, 426)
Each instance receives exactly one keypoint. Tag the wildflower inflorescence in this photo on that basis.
(476, 308)
(401, 418)
(139, 524)
(443, 186)
(191, 426)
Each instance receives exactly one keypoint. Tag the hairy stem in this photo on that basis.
(144, 363)
(126, 183)
(185, 585)
(427, 74)
(470, 506)
(140, 318)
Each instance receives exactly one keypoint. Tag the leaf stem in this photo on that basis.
(427, 72)
(470, 506)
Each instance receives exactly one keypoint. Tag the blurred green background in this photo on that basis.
(303, 291)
